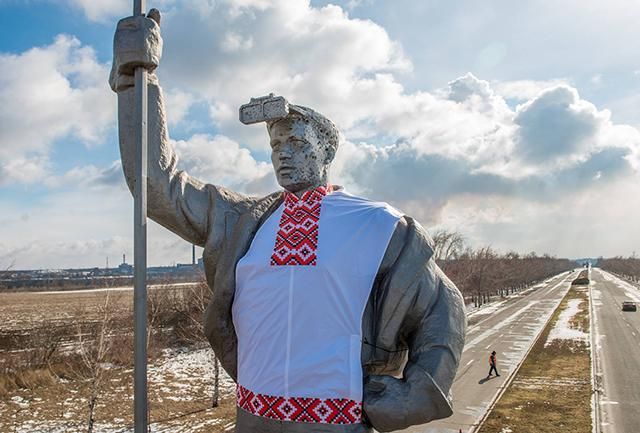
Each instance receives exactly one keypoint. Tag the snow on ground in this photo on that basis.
(56, 427)
(630, 291)
(543, 382)
(506, 322)
(113, 289)
(488, 308)
(562, 329)
(183, 375)
(492, 307)
(179, 366)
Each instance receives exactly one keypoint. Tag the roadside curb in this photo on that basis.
(475, 427)
(595, 366)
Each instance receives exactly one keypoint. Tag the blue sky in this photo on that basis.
(515, 123)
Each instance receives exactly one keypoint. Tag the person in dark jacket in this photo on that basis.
(492, 364)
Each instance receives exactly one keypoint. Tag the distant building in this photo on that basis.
(125, 269)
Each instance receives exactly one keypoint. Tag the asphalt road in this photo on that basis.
(510, 331)
(617, 339)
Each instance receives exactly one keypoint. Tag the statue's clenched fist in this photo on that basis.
(137, 43)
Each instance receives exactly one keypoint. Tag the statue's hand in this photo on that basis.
(384, 402)
(137, 43)
(395, 404)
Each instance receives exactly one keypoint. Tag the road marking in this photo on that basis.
(469, 362)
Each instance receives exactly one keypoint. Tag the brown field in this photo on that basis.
(53, 359)
(552, 390)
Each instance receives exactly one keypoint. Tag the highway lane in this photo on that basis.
(509, 331)
(617, 337)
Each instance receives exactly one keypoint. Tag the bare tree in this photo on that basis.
(196, 299)
(481, 273)
(216, 382)
(182, 311)
(447, 244)
(4, 269)
(93, 350)
(628, 268)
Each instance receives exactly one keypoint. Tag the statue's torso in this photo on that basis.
(301, 290)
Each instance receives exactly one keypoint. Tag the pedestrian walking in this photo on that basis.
(492, 364)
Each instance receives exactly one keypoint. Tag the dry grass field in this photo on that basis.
(60, 351)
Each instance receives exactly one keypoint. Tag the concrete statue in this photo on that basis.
(327, 309)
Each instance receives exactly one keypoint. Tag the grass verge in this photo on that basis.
(552, 390)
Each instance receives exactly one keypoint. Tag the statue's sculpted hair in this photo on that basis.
(325, 129)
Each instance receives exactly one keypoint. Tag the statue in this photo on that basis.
(327, 309)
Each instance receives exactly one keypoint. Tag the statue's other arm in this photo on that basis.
(433, 326)
(176, 200)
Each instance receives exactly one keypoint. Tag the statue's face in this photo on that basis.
(299, 158)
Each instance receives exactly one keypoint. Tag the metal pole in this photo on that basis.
(140, 417)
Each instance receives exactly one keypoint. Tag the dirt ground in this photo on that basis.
(180, 389)
(55, 399)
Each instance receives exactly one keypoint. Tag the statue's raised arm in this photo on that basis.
(191, 209)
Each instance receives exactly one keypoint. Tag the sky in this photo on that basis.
(515, 123)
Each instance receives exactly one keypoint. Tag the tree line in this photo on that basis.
(628, 267)
(483, 272)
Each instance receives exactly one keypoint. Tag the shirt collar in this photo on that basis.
(311, 196)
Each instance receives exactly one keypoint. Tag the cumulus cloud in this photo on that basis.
(103, 10)
(523, 90)
(590, 222)
(307, 54)
(47, 93)
(23, 170)
(81, 225)
(180, 103)
(89, 176)
(221, 160)
(557, 123)
(548, 150)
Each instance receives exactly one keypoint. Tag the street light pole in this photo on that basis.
(140, 417)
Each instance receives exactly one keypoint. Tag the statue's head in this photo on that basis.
(303, 145)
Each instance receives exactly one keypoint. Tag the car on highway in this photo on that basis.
(629, 306)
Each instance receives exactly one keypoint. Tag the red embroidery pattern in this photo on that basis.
(297, 237)
(300, 409)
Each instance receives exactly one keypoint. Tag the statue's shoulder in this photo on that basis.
(365, 204)
(226, 199)
(409, 245)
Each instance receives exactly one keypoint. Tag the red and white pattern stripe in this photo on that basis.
(297, 238)
(300, 409)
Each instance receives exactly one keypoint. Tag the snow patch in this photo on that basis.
(20, 402)
(630, 291)
(562, 329)
(177, 368)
